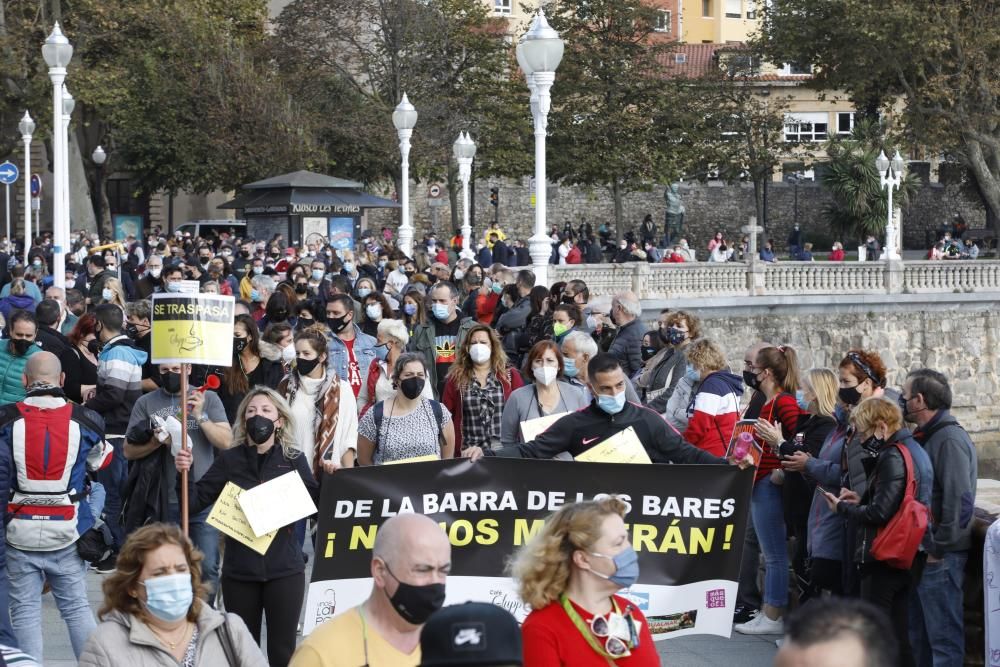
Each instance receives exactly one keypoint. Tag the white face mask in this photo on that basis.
(546, 375)
(288, 353)
(480, 353)
(155, 273)
(374, 311)
(106, 294)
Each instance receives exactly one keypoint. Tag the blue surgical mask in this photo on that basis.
(254, 294)
(497, 288)
(382, 352)
(626, 567)
(569, 367)
(173, 287)
(440, 310)
(611, 404)
(410, 309)
(169, 597)
(692, 373)
(317, 274)
(349, 267)
(800, 397)
(363, 292)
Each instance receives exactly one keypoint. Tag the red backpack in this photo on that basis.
(897, 541)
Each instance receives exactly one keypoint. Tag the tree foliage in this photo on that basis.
(860, 204)
(939, 56)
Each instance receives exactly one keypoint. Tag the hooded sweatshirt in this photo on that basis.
(119, 383)
(714, 412)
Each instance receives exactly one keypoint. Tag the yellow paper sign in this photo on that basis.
(192, 329)
(415, 459)
(229, 518)
(622, 447)
(532, 428)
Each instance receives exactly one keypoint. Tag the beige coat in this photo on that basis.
(123, 639)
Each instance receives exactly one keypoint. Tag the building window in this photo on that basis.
(752, 9)
(805, 127)
(845, 122)
(662, 21)
(734, 9)
(706, 8)
(502, 6)
(796, 68)
(680, 58)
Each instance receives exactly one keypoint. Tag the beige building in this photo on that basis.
(717, 21)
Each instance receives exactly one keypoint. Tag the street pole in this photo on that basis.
(27, 127)
(890, 176)
(57, 52)
(6, 209)
(464, 150)
(68, 104)
(404, 117)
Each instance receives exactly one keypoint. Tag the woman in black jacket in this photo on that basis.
(273, 584)
(660, 373)
(878, 424)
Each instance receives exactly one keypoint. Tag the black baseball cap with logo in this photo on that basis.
(474, 634)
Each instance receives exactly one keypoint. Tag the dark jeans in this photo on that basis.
(113, 477)
(825, 574)
(748, 592)
(888, 588)
(936, 630)
(280, 600)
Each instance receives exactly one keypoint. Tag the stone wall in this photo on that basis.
(710, 207)
(957, 337)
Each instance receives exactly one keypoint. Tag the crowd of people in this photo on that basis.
(364, 356)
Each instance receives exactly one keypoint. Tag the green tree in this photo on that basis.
(937, 59)
(860, 204)
(616, 121)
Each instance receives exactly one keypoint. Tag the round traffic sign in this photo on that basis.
(434, 191)
(36, 185)
(8, 173)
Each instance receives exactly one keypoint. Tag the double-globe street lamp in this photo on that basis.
(404, 117)
(464, 149)
(890, 175)
(57, 52)
(539, 54)
(27, 128)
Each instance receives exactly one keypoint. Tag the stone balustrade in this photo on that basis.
(736, 279)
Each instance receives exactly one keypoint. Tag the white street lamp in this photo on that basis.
(405, 118)
(539, 54)
(99, 157)
(465, 150)
(27, 128)
(57, 52)
(890, 175)
(68, 105)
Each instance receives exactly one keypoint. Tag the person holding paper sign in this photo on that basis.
(607, 415)
(263, 449)
(547, 395)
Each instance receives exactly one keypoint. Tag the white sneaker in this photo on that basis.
(761, 625)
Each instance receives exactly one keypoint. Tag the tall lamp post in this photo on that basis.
(465, 150)
(27, 128)
(404, 117)
(890, 175)
(99, 157)
(539, 55)
(68, 105)
(57, 52)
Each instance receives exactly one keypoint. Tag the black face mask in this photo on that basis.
(648, 353)
(131, 330)
(171, 382)
(750, 380)
(412, 387)
(416, 603)
(873, 445)
(19, 346)
(280, 315)
(94, 347)
(337, 324)
(305, 366)
(240, 344)
(244, 254)
(259, 428)
(849, 395)
(301, 288)
(304, 322)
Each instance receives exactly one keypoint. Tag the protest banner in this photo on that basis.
(687, 524)
(192, 329)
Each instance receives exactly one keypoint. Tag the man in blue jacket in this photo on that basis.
(351, 350)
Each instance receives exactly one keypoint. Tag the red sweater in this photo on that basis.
(452, 399)
(551, 640)
(785, 409)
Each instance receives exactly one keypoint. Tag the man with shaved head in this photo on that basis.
(45, 521)
(410, 562)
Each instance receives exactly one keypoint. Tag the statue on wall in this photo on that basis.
(674, 223)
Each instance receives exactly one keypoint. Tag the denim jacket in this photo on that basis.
(364, 354)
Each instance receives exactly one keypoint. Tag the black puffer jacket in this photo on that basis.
(886, 476)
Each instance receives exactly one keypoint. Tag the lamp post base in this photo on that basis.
(540, 249)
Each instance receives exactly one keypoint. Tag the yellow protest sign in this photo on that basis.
(192, 329)
(622, 447)
(229, 518)
(532, 428)
(415, 459)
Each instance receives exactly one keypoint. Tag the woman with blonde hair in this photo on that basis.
(253, 585)
(154, 610)
(568, 574)
(479, 383)
(715, 407)
(112, 292)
